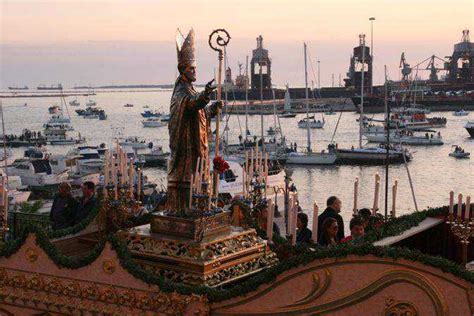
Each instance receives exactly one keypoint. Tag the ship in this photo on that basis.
(51, 87)
(18, 88)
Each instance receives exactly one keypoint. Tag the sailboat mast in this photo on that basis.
(246, 96)
(361, 123)
(4, 141)
(261, 106)
(306, 99)
(387, 157)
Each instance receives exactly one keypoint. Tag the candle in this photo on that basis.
(468, 208)
(139, 185)
(290, 217)
(356, 194)
(114, 177)
(293, 223)
(376, 194)
(130, 180)
(314, 234)
(191, 192)
(459, 209)
(451, 202)
(270, 219)
(106, 174)
(246, 165)
(394, 198)
(243, 182)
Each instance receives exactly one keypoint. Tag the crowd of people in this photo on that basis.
(67, 211)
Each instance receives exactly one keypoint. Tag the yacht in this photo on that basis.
(429, 139)
(156, 157)
(58, 136)
(134, 142)
(470, 128)
(91, 103)
(372, 155)
(311, 122)
(36, 172)
(460, 113)
(153, 122)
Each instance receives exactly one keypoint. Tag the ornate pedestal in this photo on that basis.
(172, 247)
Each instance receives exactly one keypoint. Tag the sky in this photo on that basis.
(132, 42)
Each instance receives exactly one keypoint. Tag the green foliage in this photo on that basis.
(27, 207)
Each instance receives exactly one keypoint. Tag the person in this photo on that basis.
(87, 202)
(329, 232)
(333, 209)
(303, 233)
(262, 223)
(64, 208)
(188, 127)
(364, 215)
(357, 230)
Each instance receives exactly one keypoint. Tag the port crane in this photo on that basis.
(406, 70)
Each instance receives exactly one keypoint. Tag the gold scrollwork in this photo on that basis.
(399, 308)
(109, 266)
(31, 254)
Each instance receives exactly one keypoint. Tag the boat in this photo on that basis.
(91, 103)
(17, 193)
(156, 157)
(406, 139)
(54, 109)
(460, 113)
(74, 103)
(153, 122)
(18, 88)
(91, 116)
(88, 160)
(165, 118)
(135, 142)
(128, 105)
(470, 128)
(415, 121)
(372, 155)
(58, 136)
(6, 156)
(287, 106)
(102, 115)
(148, 114)
(36, 172)
(311, 122)
(51, 87)
(459, 152)
(310, 157)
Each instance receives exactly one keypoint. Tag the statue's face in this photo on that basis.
(190, 73)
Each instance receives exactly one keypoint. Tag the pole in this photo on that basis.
(387, 157)
(306, 99)
(361, 124)
(261, 106)
(319, 77)
(246, 97)
(372, 19)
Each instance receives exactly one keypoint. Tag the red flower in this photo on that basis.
(220, 165)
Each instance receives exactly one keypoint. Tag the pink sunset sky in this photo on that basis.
(132, 42)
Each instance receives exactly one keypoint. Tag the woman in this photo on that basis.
(303, 234)
(329, 233)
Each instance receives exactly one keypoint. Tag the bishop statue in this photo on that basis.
(189, 126)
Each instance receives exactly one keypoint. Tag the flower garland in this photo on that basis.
(220, 165)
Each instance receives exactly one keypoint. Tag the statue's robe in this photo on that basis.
(188, 129)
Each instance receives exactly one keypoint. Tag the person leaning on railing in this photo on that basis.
(64, 208)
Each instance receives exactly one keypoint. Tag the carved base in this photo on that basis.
(215, 261)
(192, 228)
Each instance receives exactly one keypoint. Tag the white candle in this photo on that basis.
(451, 202)
(139, 185)
(106, 174)
(246, 165)
(293, 228)
(290, 216)
(114, 175)
(191, 192)
(243, 182)
(356, 194)
(130, 180)
(270, 219)
(394, 198)
(467, 214)
(459, 209)
(314, 235)
(376, 194)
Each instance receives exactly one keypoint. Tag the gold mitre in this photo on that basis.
(185, 49)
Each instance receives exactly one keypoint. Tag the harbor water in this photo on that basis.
(433, 172)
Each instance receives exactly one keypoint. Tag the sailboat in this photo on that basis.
(310, 157)
(287, 107)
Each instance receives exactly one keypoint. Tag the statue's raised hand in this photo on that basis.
(209, 87)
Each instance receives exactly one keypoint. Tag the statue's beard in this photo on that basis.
(189, 77)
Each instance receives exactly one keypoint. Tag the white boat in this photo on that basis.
(17, 192)
(470, 128)
(156, 157)
(165, 118)
(322, 158)
(36, 172)
(58, 118)
(458, 152)
(74, 103)
(311, 123)
(460, 113)
(58, 136)
(134, 142)
(153, 122)
(91, 116)
(372, 155)
(91, 103)
(231, 180)
(405, 139)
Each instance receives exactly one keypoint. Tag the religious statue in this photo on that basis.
(189, 126)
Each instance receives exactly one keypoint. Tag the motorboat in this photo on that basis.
(372, 155)
(149, 113)
(74, 103)
(428, 140)
(54, 109)
(165, 118)
(135, 142)
(156, 157)
(91, 103)
(458, 152)
(460, 113)
(91, 116)
(153, 122)
(89, 160)
(311, 122)
(128, 105)
(272, 131)
(470, 128)
(311, 158)
(36, 172)
(58, 136)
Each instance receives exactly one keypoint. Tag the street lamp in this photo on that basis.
(372, 19)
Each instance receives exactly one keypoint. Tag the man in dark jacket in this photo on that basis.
(63, 209)
(333, 209)
(87, 202)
